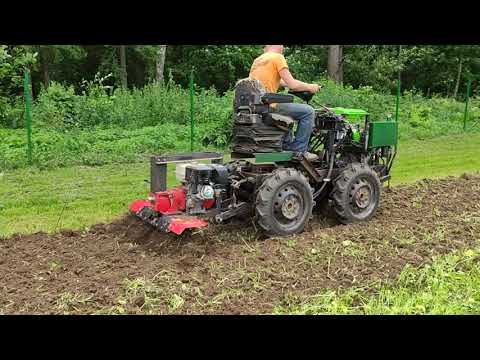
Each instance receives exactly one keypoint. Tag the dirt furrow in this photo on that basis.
(125, 267)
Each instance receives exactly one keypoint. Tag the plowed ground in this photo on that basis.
(126, 267)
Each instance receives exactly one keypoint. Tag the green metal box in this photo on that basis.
(350, 114)
(382, 133)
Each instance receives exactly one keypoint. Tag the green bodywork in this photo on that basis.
(382, 134)
(261, 158)
(350, 114)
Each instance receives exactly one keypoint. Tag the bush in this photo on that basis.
(103, 126)
(94, 147)
(56, 107)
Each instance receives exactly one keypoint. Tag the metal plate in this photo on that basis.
(383, 133)
(273, 157)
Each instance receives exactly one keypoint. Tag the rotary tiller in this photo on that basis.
(277, 188)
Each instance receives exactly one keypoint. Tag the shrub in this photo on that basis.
(102, 126)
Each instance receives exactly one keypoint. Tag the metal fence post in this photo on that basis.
(28, 119)
(192, 110)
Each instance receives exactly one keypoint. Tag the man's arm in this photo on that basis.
(287, 80)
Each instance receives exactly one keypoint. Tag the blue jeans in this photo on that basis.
(305, 115)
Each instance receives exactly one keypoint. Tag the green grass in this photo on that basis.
(450, 285)
(69, 198)
(78, 197)
(436, 158)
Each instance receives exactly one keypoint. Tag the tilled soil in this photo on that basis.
(127, 267)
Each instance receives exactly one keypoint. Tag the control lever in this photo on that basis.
(306, 96)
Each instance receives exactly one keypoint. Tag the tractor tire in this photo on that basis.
(284, 203)
(356, 194)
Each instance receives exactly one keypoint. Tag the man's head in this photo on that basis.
(274, 48)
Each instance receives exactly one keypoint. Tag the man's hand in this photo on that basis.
(314, 88)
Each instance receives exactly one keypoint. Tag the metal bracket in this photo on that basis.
(158, 166)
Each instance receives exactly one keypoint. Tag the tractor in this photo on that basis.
(277, 188)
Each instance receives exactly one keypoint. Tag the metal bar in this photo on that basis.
(310, 169)
(469, 84)
(158, 176)
(192, 111)
(167, 159)
(28, 119)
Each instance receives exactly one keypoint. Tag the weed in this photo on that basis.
(68, 302)
(450, 285)
(175, 302)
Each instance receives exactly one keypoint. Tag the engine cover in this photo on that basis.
(170, 202)
(206, 184)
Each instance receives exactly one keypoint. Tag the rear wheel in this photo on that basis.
(356, 194)
(284, 203)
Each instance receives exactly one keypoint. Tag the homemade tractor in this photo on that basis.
(278, 188)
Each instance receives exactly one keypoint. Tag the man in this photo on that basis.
(271, 69)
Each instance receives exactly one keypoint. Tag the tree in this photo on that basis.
(123, 65)
(307, 62)
(160, 63)
(44, 65)
(335, 63)
(13, 61)
(459, 74)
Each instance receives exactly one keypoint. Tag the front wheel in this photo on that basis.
(356, 195)
(284, 203)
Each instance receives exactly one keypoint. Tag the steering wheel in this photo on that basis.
(306, 96)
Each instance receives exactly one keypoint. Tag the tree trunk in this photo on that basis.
(123, 66)
(335, 63)
(459, 74)
(161, 62)
(44, 65)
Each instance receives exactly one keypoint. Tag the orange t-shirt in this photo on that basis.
(266, 68)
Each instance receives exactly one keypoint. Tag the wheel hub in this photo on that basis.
(290, 207)
(362, 195)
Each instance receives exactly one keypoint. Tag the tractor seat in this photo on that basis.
(283, 122)
(257, 128)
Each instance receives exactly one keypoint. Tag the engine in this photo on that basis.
(207, 186)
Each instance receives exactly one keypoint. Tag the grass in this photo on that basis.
(436, 158)
(70, 198)
(78, 197)
(450, 285)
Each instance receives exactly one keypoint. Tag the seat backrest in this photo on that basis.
(248, 92)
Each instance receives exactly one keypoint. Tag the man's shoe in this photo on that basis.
(306, 155)
(310, 156)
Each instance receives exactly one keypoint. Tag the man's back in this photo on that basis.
(266, 68)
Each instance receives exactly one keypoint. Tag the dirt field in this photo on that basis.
(125, 267)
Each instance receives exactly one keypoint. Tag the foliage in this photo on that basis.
(13, 60)
(307, 63)
(217, 66)
(99, 105)
(103, 125)
(450, 285)
(93, 147)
